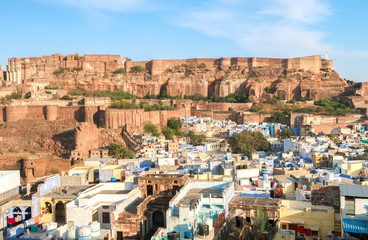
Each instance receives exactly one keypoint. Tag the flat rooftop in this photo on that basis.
(240, 200)
(196, 193)
(71, 192)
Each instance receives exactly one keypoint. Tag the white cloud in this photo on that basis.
(305, 11)
(112, 5)
(275, 28)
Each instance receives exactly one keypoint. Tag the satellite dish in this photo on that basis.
(64, 191)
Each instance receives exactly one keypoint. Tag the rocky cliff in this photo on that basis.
(260, 78)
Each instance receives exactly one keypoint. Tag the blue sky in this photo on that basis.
(174, 29)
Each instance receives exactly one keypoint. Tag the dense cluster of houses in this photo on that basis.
(309, 188)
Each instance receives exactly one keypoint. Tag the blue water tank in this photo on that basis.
(113, 179)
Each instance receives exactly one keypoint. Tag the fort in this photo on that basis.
(290, 78)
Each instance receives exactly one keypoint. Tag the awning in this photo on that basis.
(355, 226)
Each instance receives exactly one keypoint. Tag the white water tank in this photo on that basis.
(84, 233)
(50, 226)
(95, 228)
(72, 233)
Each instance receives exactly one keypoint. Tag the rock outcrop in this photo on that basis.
(260, 78)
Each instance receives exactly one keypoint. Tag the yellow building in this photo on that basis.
(353, 168)
(305, 219)
(321, 160)
(53, 203)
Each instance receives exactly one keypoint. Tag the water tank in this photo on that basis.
(72, 233)
(84, 233)
(51, 226)
(95, 228)
(265, 176)
(203, 230)
(113, 179)
(305, 187)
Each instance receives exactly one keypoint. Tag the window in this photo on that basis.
(314, 233)
(349, 206)
(105, 217)
(105, 207)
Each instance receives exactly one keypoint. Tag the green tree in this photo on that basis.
(119, 71)
(287, 133)
(197, 139)
(278, 117)
(118, 151)
(248, 142)
(152, 129)
(168, 132)
(174, 123)
(60, 71)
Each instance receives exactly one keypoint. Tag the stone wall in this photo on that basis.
(86, 137)
(34, 168)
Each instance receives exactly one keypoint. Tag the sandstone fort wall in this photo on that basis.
(20, 69)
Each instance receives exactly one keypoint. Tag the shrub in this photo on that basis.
(76, 69)
(304, 99)
(76, 57)
(114, 95)
(278, 117)
(152, 129)
(66, 97)
(128, 59)
(230, 109)
(118, 151)
(51, 88)
(255, 108)
(33, 152)
(55, 171)
(196, 97)
(137, 69)
(197, 139)
(27, 95)
(123, 104)
(12, 149)
(215, 98)
(119, 71)
(48, 92)
(60, 71)
(201, 66)
(158, 107)
(237, 98)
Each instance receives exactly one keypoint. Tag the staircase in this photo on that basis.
(337, 226)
